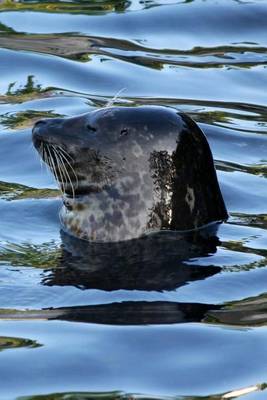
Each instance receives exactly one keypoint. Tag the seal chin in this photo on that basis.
(127, 171)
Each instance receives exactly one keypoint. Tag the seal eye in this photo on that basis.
(91, 128)
(67, 205)
(124, 132)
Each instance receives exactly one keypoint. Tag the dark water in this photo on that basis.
(194, 328)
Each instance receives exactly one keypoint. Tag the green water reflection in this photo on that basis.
(123, 396)
(45, 255)
(15, 191)
(90, 7)
(7, 343)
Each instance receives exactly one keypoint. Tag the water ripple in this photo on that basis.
(195, 328)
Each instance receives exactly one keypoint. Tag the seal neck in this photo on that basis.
(196, 198)
(105, 216)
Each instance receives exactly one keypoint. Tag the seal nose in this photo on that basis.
(38, 132)
(39, 123)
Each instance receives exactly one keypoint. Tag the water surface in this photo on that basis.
(194, 328)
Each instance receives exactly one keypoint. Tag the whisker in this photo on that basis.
(71, 167)
(57, 160)
(54, 167)
(114, 98)
(59, 169)
(41, 159)
(66, 172)
(65, 152)
(46, 160)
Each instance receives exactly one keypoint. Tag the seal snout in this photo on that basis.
(40, 133)
(46, 131)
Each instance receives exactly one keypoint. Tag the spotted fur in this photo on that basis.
(125, 172)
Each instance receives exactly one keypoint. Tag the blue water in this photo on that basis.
(188, 332)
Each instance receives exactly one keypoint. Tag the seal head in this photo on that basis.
(128, 171)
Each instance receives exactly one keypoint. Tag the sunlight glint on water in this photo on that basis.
(164, 333)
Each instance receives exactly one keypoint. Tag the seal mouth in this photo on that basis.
(61, 165)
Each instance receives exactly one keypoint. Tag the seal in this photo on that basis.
(128, 171)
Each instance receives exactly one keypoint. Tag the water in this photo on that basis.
(194, 328)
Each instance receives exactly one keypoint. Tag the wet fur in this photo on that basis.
(125, 172)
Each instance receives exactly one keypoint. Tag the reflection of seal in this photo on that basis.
(143, 274)
(156, 262)
(126, 171)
